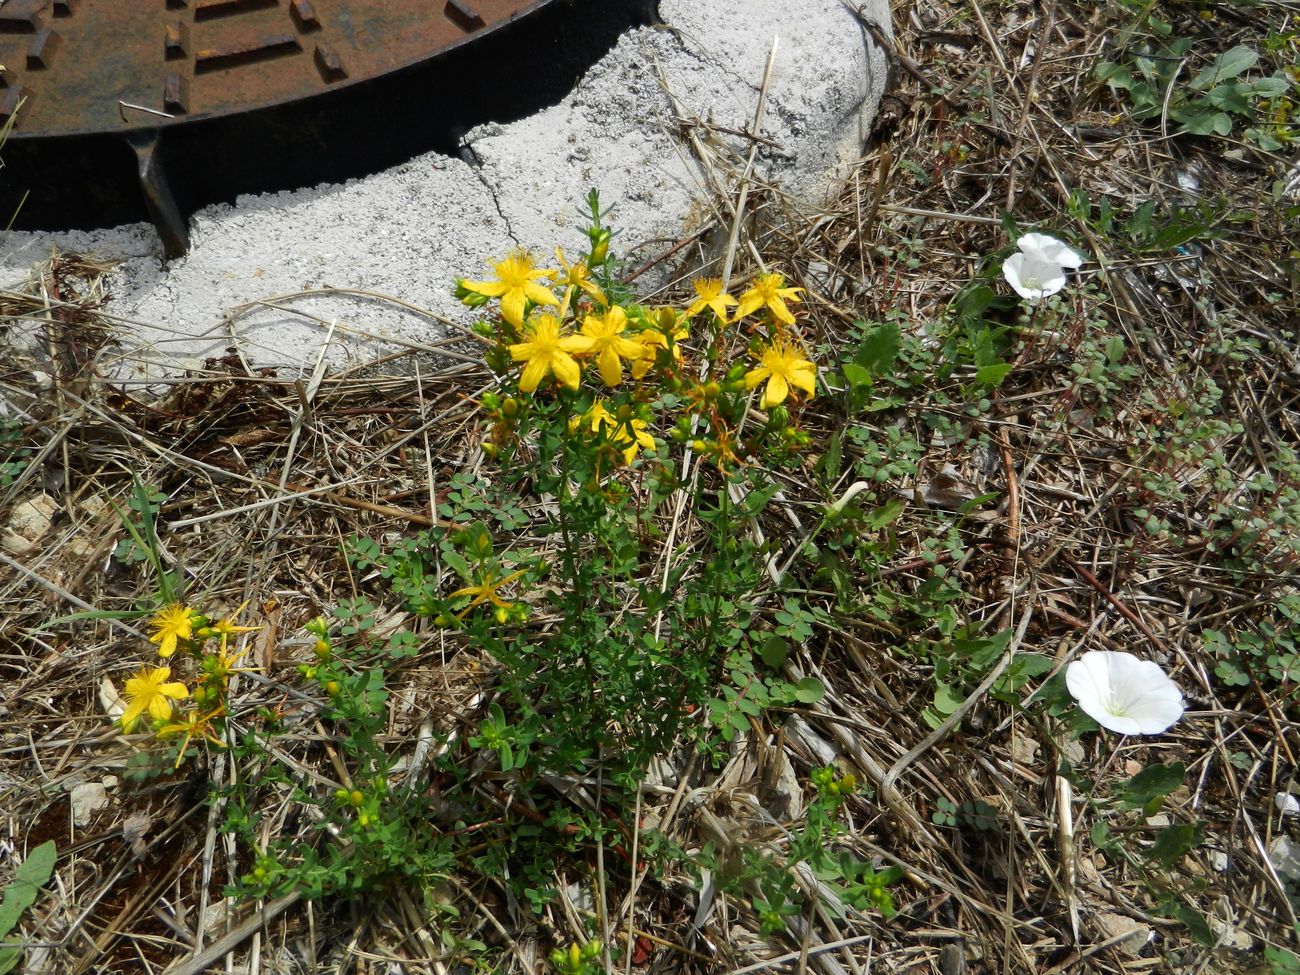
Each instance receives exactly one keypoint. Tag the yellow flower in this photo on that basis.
(578, 275)
(594, 418)
(634, 433)
(710, 295)
(604, 337)
(486, 591)
(171, 623)
(768, 291)
(782, 367)
(545, 350)
(215, 670)
(636, 437)
(226, 628)
(149, 691)
(667, 322)
(515, 286)
(191, 726)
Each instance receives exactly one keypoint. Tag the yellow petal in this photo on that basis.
(132, 712)
(781, 312)
(489, 289)
(804, 375)
(512, 307)
(777, 391)
(566, 370)
(749, 304)
(160, 708)
(577, 343)
(611, 367)
(533, 374)
(539, 295)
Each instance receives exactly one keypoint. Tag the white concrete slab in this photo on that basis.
(410, 231)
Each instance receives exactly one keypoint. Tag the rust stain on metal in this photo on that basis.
(72, 62)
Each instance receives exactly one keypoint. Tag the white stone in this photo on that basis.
(28, 523)
(1116, 925)
(87, 799)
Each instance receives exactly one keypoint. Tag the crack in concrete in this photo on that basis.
(475, 164)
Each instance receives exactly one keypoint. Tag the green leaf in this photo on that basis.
(757, 500)
(856, 376)
(809, 690)
(1153, 782)
(21, 893)
(1270, 87)
(831, 461)
(1113, 74)
(946, 699)
(1229, 64)
(1208, 122)
(992, 375)
(1195, 921)
(1102, 838)
(1281, 961)
(886, 514)
(1177, 234)
(1138, 226)
(1114, 350)
(1174, 842)
(774, 651)
(972, 301)
(879, 348)
(1232, 97)
(30, 877)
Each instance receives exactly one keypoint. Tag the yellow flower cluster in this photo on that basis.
(153, 694)
(557, 336)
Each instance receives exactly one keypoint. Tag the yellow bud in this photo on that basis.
(322, 648)
(502, 615)
(356, 798)
(331, 687)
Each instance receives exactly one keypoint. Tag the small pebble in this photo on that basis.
(87, 799)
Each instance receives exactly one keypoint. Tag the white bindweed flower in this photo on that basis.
(1037, 270)
(1124, 694)
(1032, 277)
(1047, 248)
(1286, 804)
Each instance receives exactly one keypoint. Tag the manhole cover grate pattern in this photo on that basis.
(119, 109)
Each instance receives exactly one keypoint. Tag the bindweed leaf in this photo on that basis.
(1153, 782)
(1173, 842)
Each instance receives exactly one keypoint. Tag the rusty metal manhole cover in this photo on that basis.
(124, 110)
